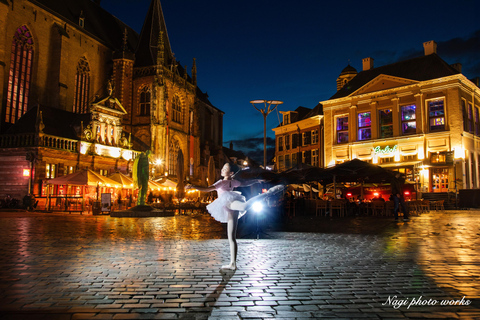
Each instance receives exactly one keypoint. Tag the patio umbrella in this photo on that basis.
(357, 171)
(303, 173)
(257, 173)
(211, 171)
(125, 180)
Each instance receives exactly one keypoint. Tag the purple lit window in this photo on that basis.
(364, 126)
(436, 113)
(342, 129)
(409, 119)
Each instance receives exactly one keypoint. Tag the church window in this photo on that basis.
(82, 85)
(20, 75)
(177, 110)
(145, 101)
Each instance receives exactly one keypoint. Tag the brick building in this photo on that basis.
(82, 89)
(299, 138)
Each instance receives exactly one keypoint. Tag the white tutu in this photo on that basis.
(219, 208)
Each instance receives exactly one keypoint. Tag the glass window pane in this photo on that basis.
(408, 113)
(364, 120)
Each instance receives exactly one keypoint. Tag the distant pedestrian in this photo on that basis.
(397, 184)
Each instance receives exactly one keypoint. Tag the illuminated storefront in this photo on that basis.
(425, 125)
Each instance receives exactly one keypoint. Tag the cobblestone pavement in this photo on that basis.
(60, 266)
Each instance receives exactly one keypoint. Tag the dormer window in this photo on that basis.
(286, 118)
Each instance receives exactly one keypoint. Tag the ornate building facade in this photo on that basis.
(419, 116)
(82, 89)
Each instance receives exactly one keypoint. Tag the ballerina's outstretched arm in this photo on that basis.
(202, 189)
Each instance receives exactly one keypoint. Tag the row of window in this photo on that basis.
(309, 157)
(51, 170)
(145, 104)
(408, 119)
(20, 75)
(292, 140)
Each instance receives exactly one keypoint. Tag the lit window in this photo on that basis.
(364, 126)
(82, 84)
(315, 157)
(477, 122)
(287, 142)
(20, 74)
(315, 136)
(436, 114)
(342, 129)
(177, 110)
(409, 122)
(145, 100)
(470, 118)
(50, 171)
(280, 162)
(386, 123)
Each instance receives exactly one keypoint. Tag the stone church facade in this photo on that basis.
(80, 89)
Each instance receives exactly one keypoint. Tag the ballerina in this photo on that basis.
(231, 205)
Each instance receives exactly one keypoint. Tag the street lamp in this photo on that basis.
(265, 111)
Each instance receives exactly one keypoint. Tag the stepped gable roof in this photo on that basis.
(57, 122)
(98, 22)
(147, 50)
(420, 69)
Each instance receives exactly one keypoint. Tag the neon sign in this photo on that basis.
(387, 149)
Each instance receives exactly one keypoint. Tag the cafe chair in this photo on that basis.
(321, 206)
(378, 208)
(438, 205)
(338, 206)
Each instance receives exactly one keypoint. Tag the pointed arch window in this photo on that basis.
(82, 85)
(177, 110)
(145, 101)
(20, 75)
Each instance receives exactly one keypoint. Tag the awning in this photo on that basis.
(85, 178)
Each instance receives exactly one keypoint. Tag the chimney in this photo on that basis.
(430, 47)
(367, 63)
(457, 66)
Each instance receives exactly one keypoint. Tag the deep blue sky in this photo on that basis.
(293, 51)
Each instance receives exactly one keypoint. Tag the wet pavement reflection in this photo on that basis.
(310, 267)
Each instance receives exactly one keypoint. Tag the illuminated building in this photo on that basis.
(418, 116)
(299, 138)
(82, 89)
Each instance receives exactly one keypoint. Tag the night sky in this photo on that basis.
(294, 51)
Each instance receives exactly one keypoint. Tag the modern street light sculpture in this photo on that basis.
(268, 106)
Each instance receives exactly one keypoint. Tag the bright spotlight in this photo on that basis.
(257, 207)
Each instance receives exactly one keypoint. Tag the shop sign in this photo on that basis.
(387, 149)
